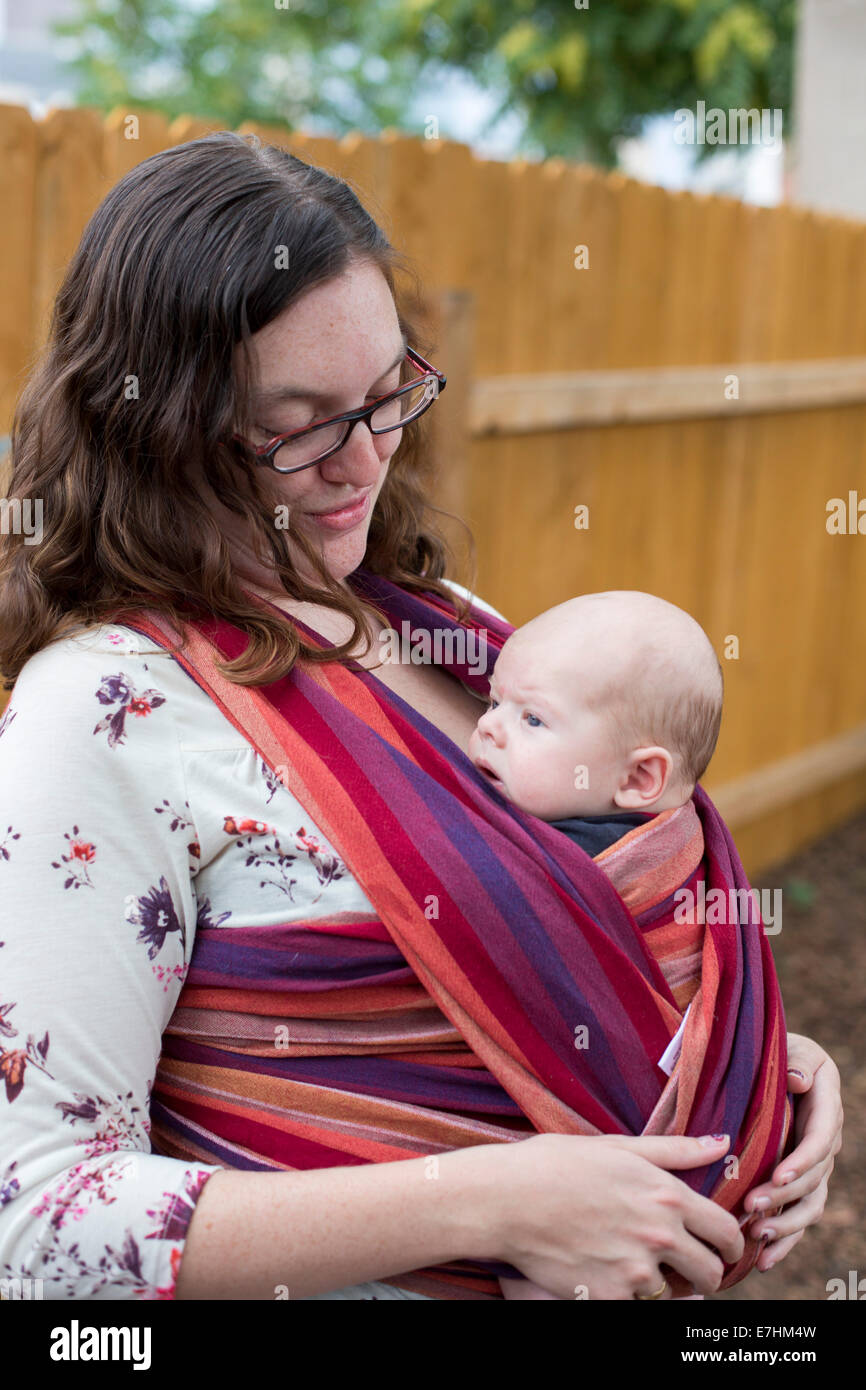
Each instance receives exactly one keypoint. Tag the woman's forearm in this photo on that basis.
(270, 1235)
(600, 1211)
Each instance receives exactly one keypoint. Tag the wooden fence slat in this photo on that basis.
(857, 291)
(599, 228)
(186, 128)
(128, 142)
(404, 197)
(314, 149)
(268, 134)
(452, 326)
(18, 162)
(68, 184)
(492, 284)
(568, 280)
(641, 283)
(451, 175)
(545, 266)
(684, 263)
(520, 264)
(364, 161)
(812, 271)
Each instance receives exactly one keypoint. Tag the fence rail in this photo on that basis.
(564, 400)
(590, 326)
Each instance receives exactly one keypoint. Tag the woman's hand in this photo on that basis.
(799, 1183)
(602, 1213)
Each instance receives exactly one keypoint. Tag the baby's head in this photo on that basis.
(607, 703)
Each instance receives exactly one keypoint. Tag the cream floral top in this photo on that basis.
(131, 813)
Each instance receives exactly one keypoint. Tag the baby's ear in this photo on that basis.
(648, 777)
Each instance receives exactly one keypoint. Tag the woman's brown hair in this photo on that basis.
(135, 395)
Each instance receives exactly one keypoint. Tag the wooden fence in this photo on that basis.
(692, 370)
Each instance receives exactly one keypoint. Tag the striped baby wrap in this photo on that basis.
(507, 983)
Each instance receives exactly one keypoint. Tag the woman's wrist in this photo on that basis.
(475, 1218)
(469, 1189)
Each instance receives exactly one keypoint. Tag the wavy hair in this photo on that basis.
(174, 270)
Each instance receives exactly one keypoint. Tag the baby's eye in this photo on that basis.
(491, 703)
(533, 720)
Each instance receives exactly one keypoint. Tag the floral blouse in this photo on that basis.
(131, 813)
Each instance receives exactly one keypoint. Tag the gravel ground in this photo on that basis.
(821, 959)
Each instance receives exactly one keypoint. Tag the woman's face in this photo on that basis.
(338, 348)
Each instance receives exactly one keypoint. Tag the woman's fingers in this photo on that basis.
(704, 1219)
(768, 1197)
(700, 1265)
(791, 1192)
(652, 1286)
(776, 1251)
(708, 1222)
(675, 1150)
(805, 1055)
(818, 1123)
(795, 1218)
(818, 1117)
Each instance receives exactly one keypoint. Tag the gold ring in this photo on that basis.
(658, 1293)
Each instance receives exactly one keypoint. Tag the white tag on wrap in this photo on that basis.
(668, 1059)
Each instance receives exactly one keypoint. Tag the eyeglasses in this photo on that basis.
(304, 448)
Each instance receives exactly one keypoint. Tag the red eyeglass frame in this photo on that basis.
(265, 452)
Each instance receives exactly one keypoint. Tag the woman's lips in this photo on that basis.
(345, 517)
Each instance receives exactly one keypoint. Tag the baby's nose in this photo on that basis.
(490, 725)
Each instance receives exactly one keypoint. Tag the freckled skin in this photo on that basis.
(338, 339)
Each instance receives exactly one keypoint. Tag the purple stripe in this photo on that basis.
(179, 1128)
(459, 1089)
(309, 962)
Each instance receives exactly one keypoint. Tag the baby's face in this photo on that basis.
(538, 743)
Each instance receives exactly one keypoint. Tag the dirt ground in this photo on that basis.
(820, 955)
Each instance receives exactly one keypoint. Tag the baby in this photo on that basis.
(602, 710)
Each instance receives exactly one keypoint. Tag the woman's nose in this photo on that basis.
(358, 462)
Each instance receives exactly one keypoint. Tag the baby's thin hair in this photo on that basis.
(686, 723)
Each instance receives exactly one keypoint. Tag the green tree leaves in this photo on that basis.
(580, 79)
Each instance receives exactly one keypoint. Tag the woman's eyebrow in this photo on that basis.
(275, 395)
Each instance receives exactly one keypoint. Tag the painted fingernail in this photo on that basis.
(795, 1071)
(768, 1234)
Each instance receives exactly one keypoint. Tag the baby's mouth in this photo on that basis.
(491, 776)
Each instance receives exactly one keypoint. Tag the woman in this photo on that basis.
(225, 295)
